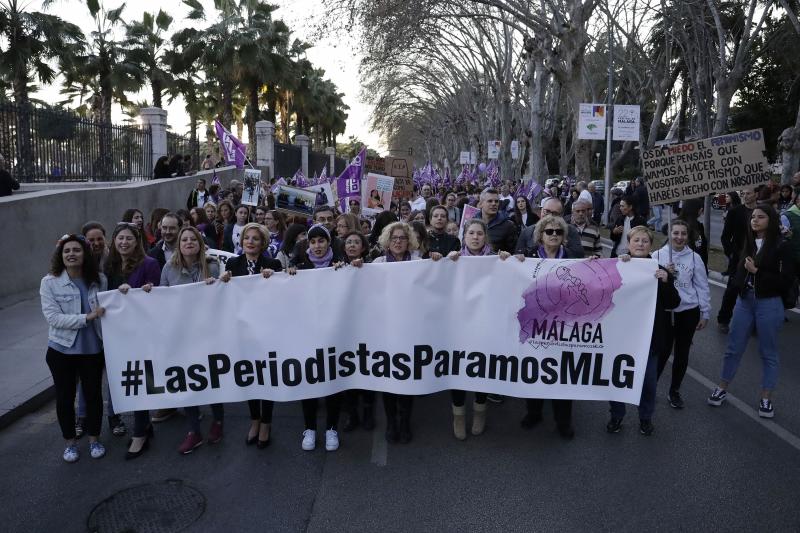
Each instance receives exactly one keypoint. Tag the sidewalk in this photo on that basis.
(25, 382)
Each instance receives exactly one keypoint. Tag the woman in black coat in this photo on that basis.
(252, 261)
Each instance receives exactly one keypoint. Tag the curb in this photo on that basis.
(40, 394)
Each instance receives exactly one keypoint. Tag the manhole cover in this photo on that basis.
(161, 507)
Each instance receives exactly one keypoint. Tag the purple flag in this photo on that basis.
(232, 148)
(348, 184)
(300, 179)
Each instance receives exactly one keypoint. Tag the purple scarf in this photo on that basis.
(543, 254)
(321, 262)
(486, 250)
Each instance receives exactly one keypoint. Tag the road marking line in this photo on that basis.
(782, 433)
(379, 449)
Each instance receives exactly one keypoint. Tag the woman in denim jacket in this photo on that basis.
(75, 345)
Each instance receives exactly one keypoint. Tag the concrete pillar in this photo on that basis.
(265, 148)
(303, 142)
(330, 151)
(156, 119)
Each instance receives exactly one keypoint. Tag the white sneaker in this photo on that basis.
(71, 454)
(96, 450)
(309, 440)
(331, 440)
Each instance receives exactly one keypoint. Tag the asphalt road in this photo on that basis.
(704, 469)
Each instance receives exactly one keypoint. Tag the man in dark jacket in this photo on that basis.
(439, 241)
(627, 220)
(7, 183)
(199, 195)
(162, 250)
(734, 233)
(502, 231)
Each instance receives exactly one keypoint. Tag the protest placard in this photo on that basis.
(252, 186)
(376, 192)
(324, 193)
(563, 331)
(708, 166)
(295, 201)
(494, 149)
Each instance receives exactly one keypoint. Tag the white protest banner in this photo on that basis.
(592, 122)
(464, 158)
(514, 150)
(221, 256)
(532, 329)
(252, 186)
(494, 149)
(626, 123)
(709, 166)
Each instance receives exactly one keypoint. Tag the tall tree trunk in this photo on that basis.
(157, 87)
(104, 162)
(253, 116)
(226, 89)
(790, 150)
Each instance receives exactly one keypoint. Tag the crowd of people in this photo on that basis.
(170, 248)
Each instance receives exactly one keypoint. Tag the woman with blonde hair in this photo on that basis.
(346, 223)
(255, 240)
(190, 265)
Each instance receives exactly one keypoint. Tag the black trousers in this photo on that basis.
(562, 410)
(678, 341)
(333, 406)
(66, 370)
(261, 410)
(351, 397)
(394, 404)
(731, 293)
(460, 396)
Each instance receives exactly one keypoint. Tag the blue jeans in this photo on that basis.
(766, 314)
(656, 220)
(647, 402)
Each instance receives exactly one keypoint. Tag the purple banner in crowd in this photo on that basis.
(232, 147)
(348, 184)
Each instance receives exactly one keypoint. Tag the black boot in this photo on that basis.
(392, 435)
(368, 421)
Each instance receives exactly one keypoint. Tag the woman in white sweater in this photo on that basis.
(692, 314)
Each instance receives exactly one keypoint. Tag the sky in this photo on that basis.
(331, 53)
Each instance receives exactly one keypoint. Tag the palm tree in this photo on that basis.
(103, 64)
(144, 48)
(36, 39)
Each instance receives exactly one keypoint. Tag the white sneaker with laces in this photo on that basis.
(71, 454)
(309, 440)
(331, 440)
(96, 450)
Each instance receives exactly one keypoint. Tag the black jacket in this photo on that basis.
(775, 272)
(502, 232)
(302, 262)
(157, 253)
(637, 221)
(7, 183)
(667, 298)
(443, 243)
(237, 266)
(734, 231)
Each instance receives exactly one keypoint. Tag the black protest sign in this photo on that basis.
(709, 166)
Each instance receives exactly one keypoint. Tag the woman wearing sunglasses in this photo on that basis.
(549, 236)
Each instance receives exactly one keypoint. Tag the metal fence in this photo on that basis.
(178, 144)
(46, 145)
(287, 160)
